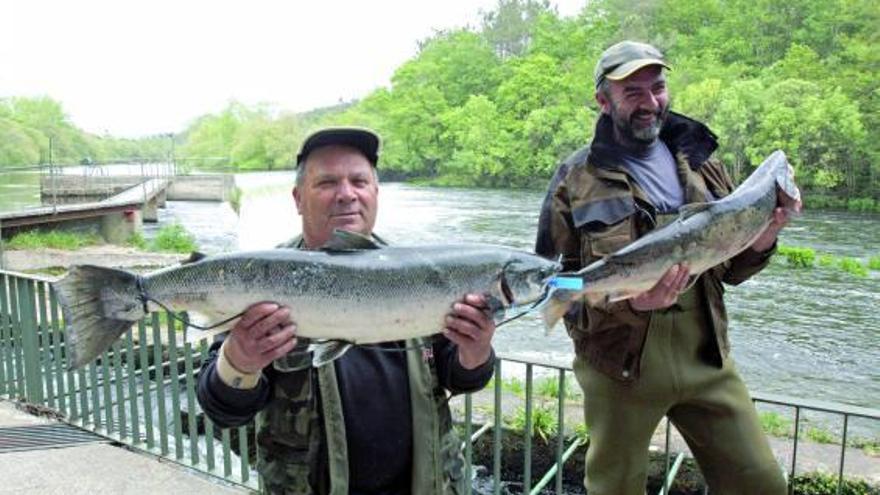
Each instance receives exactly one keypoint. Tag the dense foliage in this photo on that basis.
(37, 131)
(501, 104)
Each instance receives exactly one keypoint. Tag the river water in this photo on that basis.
(801, 333)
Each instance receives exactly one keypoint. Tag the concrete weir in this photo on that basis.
(114, 206)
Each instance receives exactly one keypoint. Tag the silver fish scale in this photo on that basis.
(717, 232)
(332, 294)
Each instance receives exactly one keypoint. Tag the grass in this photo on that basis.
(802, 257)
(798, 257)
(137, 241)
(174, 238)
(819, 435)
(235, 197)
(775, 424)
(544, 422)
(549, 387)
(853, 267)
(55, 239)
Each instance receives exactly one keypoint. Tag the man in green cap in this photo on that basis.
(664, 352)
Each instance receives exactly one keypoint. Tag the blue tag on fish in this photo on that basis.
(569, 283)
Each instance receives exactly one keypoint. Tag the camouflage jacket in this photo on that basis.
(300, 428)
(593, 208)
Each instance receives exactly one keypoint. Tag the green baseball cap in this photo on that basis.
(620, 60)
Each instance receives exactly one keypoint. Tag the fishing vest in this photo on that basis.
(301, 444)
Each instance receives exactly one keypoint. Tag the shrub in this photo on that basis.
(826, 260)
(853, 267)
(549, 387)
(174, 238)
(874, 263)
(819, 435)
(861, 204)
(775, 424)
(55, 239)
(822, 484)
(137, 241)
(544, 422)
(798, 257)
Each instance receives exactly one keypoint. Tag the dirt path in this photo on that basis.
(103, 255)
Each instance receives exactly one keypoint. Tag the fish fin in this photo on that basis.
(343, 240)
(595, 298)
(327, 351)
(98, 304)
(194, 257)
(622, 295)
(691, 209)
(559, 302)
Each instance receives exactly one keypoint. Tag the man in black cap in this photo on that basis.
(664, 352)
(376, 421)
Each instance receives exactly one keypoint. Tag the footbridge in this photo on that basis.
(115, 206)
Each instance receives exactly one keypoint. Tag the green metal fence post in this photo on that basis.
(29, 342)
(44, 348)
(15, 337)
(175, 389)
(5, 337)
(527, 451)
(191, 404)
(160, 384)
(560, 432)
(60, 387)
(496, 433)
(145, 381)
(130, 361)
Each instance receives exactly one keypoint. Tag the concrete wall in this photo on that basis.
(207, 187)
(214, 187)
(118, 227)
(81, 186)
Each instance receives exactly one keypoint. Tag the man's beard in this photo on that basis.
(639, 135)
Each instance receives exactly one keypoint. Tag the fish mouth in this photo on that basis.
(506, 292)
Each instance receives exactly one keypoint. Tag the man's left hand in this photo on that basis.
(470, 326)
(781, 216)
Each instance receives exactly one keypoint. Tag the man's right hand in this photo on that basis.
(665, 292)
(264, 333)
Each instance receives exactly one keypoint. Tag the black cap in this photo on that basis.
(364, 140)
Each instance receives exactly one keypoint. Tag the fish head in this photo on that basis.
(524, 278)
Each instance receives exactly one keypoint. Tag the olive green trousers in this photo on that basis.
(710, 406)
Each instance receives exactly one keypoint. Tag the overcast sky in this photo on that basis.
(133, 68)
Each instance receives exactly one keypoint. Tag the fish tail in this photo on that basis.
(98, 305)
(785, 183)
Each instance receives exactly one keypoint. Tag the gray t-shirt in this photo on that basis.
(656, 172)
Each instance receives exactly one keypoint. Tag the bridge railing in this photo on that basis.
(141, 393)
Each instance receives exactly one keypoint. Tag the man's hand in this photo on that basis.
(470, 326)
(665, 292)
(781, 216)
(264, 333)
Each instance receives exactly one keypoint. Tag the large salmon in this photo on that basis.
(348, 292)
(703, 235)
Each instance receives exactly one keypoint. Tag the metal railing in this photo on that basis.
(142, 393)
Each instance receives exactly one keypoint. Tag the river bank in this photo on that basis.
(47, 259)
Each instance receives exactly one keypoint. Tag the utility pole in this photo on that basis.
(52, 174)
(2, 257)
